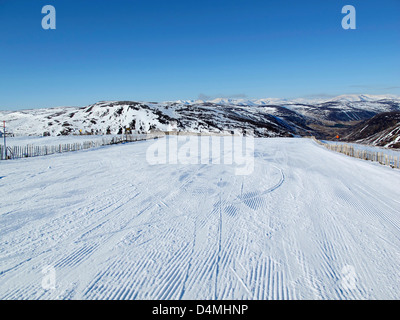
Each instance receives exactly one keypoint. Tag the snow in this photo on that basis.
(280, 101)
(362, 97)
(307, 223)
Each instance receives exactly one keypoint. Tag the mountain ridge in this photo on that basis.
(265, 117)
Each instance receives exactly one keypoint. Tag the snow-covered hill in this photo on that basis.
(381, 130)
(266, 117)
(115, 117)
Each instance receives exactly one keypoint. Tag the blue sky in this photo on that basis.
(169, 50)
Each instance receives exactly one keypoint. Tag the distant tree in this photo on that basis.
(132, 124)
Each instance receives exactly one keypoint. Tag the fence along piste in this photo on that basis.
(16, 152)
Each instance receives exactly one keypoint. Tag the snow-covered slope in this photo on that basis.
(115, 116)
(381, 130)
(266, 117)
(308, 223)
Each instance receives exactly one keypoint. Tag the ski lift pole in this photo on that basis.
(4, 134)
(5, 145)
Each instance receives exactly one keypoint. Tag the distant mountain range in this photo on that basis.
(352, 117)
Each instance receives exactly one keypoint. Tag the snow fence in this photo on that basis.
(352, 151)
(16, 152)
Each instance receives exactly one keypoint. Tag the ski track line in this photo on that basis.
(75, 257)
(227, 256)
(217, 255)
(341, 251)
(253, 199)
(192, 253)
(369, 210)
(218, 248)
(394, 220)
